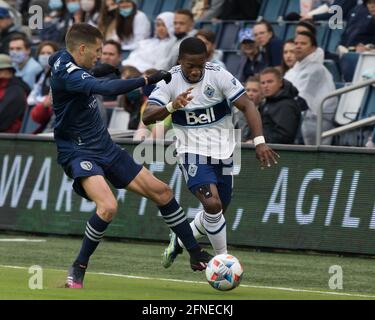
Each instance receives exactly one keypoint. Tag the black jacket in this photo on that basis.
(6, 35)
(281, 115)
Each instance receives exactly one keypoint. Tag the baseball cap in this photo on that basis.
(246, 34)
(5, 62)
(4, 13)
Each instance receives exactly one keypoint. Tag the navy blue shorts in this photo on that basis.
(199, 170)
(119, 172)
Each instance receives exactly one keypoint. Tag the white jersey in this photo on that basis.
(204, 126)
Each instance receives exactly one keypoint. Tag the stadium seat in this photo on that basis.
(28, 124)
(368, 109)
(169, 5)
(292, 6)
(271, 10)
(333, 69)
(348, 63)
(322, 31)
(290, 30)
(186, 4)
(232, 60)
(333, 39)
(279, 29)
(228, 35)
(213, 26)
(151, 8)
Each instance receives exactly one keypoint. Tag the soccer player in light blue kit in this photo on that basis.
(88, 155)
(197, 97)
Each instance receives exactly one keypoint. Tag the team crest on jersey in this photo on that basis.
(85, 75)
(86, 165)
(192, 171)
(57, 64)
(209, 91)
(234, 81)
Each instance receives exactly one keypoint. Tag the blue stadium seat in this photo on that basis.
(186, 4)
(333, 39)
(290, 30)
(169, 5)
(292, 6)
(322, 31)
(232, 60)
(368, 106)
(348, 63)
(213, 26)
(270, 10)
(279, 29)
(334, 69)
(228, 35)
(151, 8)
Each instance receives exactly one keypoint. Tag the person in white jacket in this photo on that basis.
(154, 52)
(314, 82)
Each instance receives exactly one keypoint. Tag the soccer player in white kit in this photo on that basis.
(200, 98)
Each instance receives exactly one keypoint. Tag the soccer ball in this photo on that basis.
(224, 272)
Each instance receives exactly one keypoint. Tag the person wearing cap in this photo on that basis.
(7, 29)
(250, 63)
(13, 94)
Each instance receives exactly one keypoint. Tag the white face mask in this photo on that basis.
(43, 59)
(87, 5)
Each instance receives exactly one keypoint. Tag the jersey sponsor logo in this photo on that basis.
(86, 165)
(203, 118)
(209, 91)
(192, 171)
(85, 75)
(57, 64)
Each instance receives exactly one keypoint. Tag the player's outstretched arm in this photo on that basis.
(264, 154)
(155, 113)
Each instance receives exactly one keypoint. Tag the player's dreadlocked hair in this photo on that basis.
(192, 46)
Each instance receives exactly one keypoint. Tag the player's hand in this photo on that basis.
(183, 99)
(266, 155)
(104, 69)
(158, 76)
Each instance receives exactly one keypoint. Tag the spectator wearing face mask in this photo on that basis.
(55, 22)
(130, 25)
(8, 29)
(26, 66)
(13, 92)
(90, 11)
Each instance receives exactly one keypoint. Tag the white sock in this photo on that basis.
(197, 227)
(216, 231)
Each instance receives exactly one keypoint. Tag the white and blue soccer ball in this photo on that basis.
(224, 272)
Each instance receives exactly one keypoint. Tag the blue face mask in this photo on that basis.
(43, 59)
(125, 12)
(55, 4)
(73, 7)
(17, 57)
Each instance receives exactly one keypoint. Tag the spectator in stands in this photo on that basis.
(183, 24)
(39, 97)
(209, 37)
(111, 53)
(314, 82)
(26, 66)
(90, 11)
(240, 10)
(13, 93)
(107, 15)
(133, 100)
(204, 10)
(154, 52)
(271, 47)
(306, 26)
(289, 56)
(7, 29)
(251, 62)
(281, 110)
(254, 92)
(360, 29)
(130, 25)
(56, 22)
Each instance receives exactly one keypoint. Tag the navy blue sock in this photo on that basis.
(94, 232)
(175, 218)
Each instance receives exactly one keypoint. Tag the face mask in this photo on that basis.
(125, 12)
(43, 59)
(55, 4)
(87, 5)
(180, 35)
(17, 56)
(73, 7)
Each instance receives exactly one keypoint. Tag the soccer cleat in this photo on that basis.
(171, 252)
(199, 260)
(75, 277)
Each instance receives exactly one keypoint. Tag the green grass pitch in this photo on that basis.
(132, 270)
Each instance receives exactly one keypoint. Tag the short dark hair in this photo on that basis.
(81, 33)
(274, 71)
(254, 78)
(209, 35)
(52, 44)
(308, 24)
(22, 38)
(312, 38)
(267, 24)
(192, 46)
(115, 44)
(185, 12)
